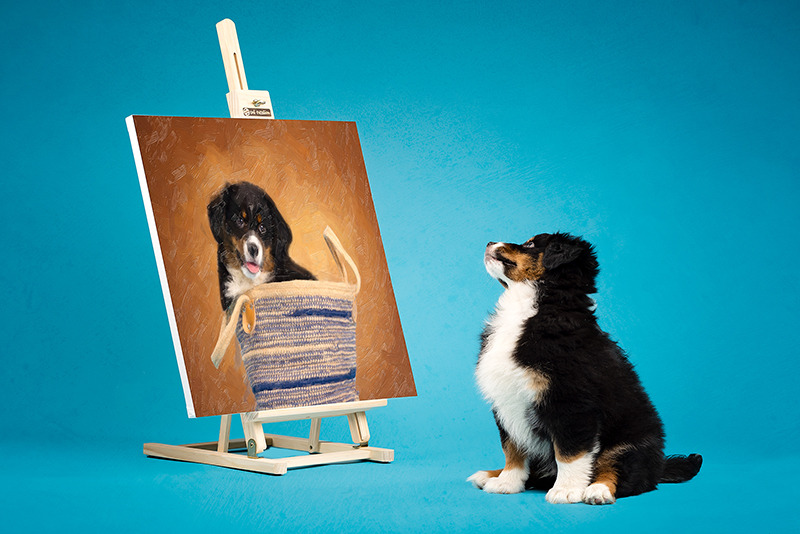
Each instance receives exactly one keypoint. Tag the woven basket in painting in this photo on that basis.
(298, 338)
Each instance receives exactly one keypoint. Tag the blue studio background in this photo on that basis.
(664, 132)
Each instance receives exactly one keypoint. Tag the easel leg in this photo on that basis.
(313, 437)
(224, 433)
(358, 428)
(255, 432)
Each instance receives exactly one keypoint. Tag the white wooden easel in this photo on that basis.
(256, 104)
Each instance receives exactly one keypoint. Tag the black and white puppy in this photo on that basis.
(253, 241)
(572, 413)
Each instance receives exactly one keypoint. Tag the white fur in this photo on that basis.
(494, 266)
(506, 385)
(572, 479)
(509, 481)
(479, 479)
(239, 283)
(598, 493)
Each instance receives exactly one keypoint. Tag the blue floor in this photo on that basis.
(117, 489)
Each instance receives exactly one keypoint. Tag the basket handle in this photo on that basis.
(338, 252)
(228, 327)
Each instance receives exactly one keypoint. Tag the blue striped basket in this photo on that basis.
(298, 338)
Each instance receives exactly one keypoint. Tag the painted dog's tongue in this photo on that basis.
(252, 267)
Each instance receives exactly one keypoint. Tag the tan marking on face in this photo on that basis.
(258, 218)
(526, 266)
(605, 470)
(269, 262)
(539, 383)
(231, 245)
(244, 214)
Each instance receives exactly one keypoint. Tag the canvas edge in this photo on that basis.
(162, 272)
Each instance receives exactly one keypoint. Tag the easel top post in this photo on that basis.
(231, 56)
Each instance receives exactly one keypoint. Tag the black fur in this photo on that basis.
(593, 396)
(243, 210)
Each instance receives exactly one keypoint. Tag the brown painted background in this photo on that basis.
(314, 171)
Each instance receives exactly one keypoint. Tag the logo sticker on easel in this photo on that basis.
(257, 112)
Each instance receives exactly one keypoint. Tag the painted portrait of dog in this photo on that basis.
(573, 416)
(234, 205)
(253, 241)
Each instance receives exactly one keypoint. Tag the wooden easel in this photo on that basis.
(256, 104)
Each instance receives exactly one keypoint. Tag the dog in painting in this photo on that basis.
(253, 241)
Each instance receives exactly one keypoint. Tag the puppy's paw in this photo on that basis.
(564, 495)
(480, 478)
(598, 493)
(504, 484)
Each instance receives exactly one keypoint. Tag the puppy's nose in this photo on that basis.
(490, 244)
(252, 249)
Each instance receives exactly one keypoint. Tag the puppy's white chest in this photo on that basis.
(510, 388)
(240, 283)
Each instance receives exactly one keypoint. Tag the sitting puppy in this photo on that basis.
(572, 414)
(253, 241)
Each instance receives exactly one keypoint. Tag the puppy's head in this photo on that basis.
(558, 259)
(251, 233)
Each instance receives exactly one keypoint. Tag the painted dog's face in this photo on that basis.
(545, 256)
(252, 236)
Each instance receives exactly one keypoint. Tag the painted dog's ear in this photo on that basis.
(560, 253)
(283, 234)
(216, 213)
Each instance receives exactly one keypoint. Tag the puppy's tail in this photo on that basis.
(679, 468)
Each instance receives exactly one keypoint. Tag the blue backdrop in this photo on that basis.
(664, 132)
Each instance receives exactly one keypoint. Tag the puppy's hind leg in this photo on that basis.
(510, 479)
(606, 475)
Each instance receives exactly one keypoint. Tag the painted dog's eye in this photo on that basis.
(238, 220)
(262, 229)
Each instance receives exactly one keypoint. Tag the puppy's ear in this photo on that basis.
(560, 253)
(216, 213)
(283, 234)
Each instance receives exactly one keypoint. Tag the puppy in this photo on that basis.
(572, 413)
(253, 241)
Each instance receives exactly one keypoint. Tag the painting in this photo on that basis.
(268, 250)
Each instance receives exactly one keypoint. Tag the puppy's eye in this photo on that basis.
(528, 244)
(262, 229)
(238, 220)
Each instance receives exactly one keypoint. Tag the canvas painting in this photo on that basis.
(271, 263)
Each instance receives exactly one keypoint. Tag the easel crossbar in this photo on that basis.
(206, 453)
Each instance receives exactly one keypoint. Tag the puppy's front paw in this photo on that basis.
(598, 493)
(564, 495)
(504, 484)
(479, 479)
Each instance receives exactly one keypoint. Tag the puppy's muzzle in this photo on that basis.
(253, 254)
